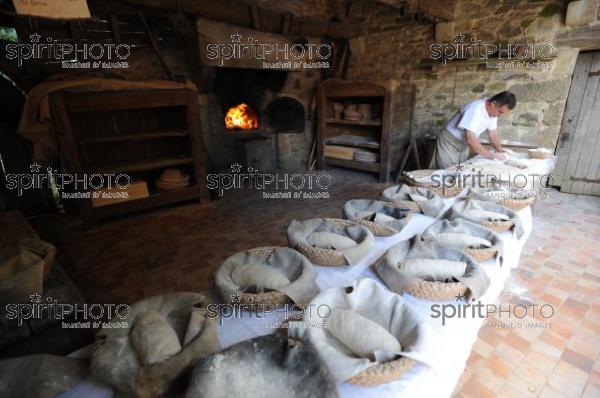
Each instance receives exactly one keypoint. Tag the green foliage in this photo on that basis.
(8, 34)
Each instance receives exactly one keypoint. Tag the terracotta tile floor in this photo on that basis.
(178, 248)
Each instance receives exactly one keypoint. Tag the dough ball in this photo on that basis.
(330, 240)
(484, 215)
(462, 240)
(434, 269)
(153, 338)
(260, 276)
(361, 335)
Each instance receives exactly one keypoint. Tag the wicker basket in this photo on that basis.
(516, 204)
(409, 205)
(326, 257)
(382, 372)
(274, 297)
(377, 229)
(498, 226)
(480, 255)
(320, 256)
(411, 176)
(437, 290)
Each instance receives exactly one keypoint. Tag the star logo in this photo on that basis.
(459, 38)
(34, 168)
(236, 298)
(459, 167)
(236, 38)
(460, 297)
(236, 167)
(35, 38)
(35, 298)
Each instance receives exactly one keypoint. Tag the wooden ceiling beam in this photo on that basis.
(239, 13)
(585, 38)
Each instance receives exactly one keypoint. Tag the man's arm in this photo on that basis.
(476, 146)
(495, 140)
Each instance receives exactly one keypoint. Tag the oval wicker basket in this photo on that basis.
(446, 192)
(516, 204)
(537, 154)
(498, 226)
(382, 372)
(480, 255)
(273, 297)
(437, 290)
(406, 204)
(377, 229)
(326, 257)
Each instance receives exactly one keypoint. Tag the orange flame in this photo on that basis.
(241, 117)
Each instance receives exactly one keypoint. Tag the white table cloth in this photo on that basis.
(456, 337)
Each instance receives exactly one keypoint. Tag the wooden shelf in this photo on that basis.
(355, 145)
(353, 164)
(154, 200)
(144, 165)
(354, 122)
(134, 137)
(377, 133)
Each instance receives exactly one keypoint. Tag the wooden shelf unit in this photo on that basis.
(377, 130)
(134, 132)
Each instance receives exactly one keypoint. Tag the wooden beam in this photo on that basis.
(586, 38)
(239, 13)
(255, 14)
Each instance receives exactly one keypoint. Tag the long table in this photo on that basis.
(451, 343)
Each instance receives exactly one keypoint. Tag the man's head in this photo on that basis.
(501, 104)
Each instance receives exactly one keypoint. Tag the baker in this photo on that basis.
(463, 131)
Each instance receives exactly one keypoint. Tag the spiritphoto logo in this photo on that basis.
(273, 186)
(84, 315)
(241, 306)
(82, 184)
(521, 54)
(73, 55)
(296, 55)
(507, 312)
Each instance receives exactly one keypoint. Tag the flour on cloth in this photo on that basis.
(330, 240)
(270, 366)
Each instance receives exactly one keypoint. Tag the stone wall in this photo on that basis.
(393, 55)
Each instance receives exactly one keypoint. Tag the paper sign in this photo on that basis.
(59, 9)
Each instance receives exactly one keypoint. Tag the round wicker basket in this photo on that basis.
(406, 204)
(516, 204)
(326, 257)
(273, 297)
(498, 226)
(437, 290)
(377, 229)
(383, 372)
(480, 255)
(446, 192)
(537, 154)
